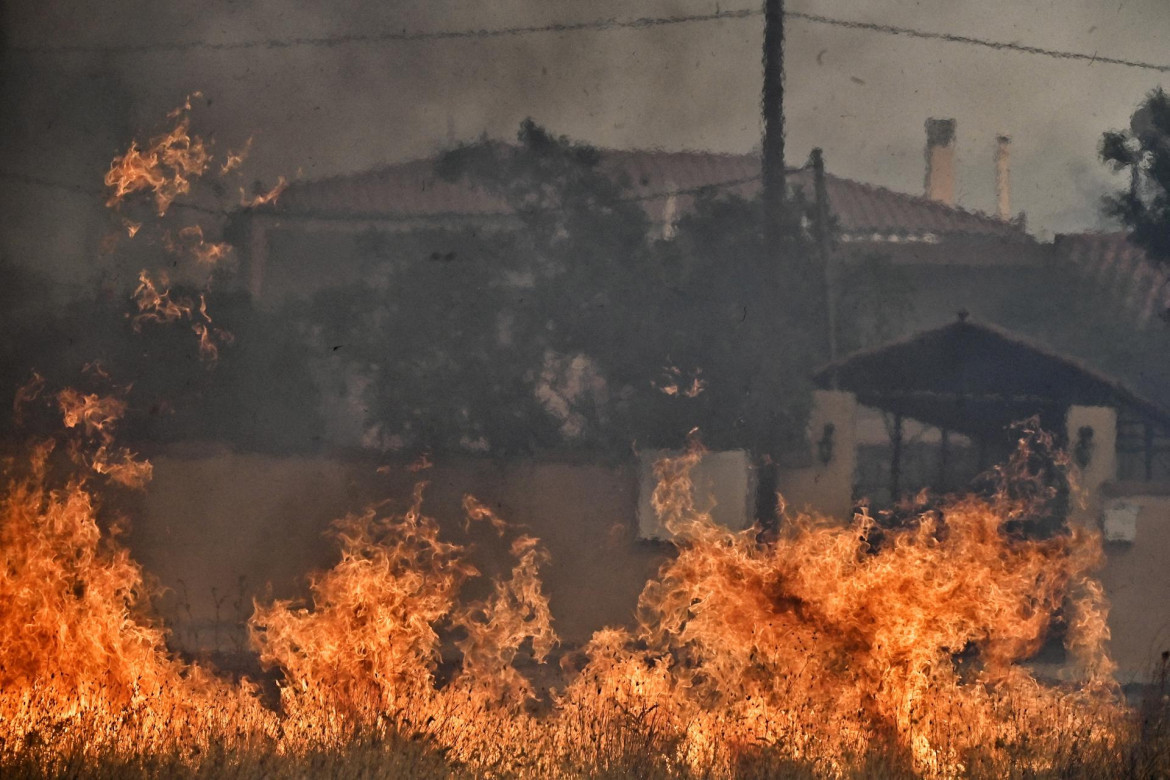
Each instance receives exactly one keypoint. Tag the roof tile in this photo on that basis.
(412, 190)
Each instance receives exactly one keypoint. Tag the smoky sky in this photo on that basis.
(318, 111)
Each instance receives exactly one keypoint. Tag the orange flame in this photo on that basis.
(235, 159)
(817, 649)
(166, 167)
(266, 197)
(155, 305)
(674, 384)
(192, 242)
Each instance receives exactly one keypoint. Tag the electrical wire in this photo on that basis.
(389, 36)
(405, 36)
(1020, 48)
(79, 189)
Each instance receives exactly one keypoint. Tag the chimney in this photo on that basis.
(1003, 177)
(940, 160)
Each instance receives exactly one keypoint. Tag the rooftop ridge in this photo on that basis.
(653, 174)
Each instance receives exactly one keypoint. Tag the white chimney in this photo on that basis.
(1003, 177)
(940, 160)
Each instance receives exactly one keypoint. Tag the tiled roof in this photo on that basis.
(975, 377)
(1119, 266)
(665, 183)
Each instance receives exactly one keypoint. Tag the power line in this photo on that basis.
(391, 36)
(890, 29)
(38, 181)
(570, 27)
(80, 189)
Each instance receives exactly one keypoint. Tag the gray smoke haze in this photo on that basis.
(319, 111)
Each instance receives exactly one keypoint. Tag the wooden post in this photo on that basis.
(1148, 451)
(944, 455)
(896, 459)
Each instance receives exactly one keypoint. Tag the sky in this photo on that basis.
(317, 111)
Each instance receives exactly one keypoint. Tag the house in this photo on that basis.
(301, 241)
(902, 263)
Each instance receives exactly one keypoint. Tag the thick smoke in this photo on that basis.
(323, 110)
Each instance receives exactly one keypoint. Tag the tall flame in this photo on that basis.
(81, 670)
(821, 648)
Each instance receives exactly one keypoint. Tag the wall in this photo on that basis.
(209, 518)
(824, 486)
(723, 485)
(1137, 581)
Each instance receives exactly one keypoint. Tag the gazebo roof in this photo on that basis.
(977, 379)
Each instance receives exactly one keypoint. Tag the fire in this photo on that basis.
(82, 671)
(157, 305)
(264, 197)
(234, 160)
(821, 646)
(191, 242)
(166, 166)
(96, 416)
(674, 383)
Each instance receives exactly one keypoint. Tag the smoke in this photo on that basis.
(323, 110)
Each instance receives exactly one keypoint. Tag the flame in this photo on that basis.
(155, 305)
(96, 417)
(26, 394)
(166, 166)
(266, 197)
(820, 648)
(81, 670)
(674, 384)
(192, 242)
(235, 159)
(476, 511)
(421, 464)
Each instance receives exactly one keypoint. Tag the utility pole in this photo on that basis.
(772, 104)
(773, 107)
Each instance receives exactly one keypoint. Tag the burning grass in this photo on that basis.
(824, 650)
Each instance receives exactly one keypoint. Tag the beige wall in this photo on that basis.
(723, 484)
(826, 488)
(1136, 577)
(207, 519)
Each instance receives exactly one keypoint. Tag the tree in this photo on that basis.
(575, 327)
(717, 299)
(1144, 151)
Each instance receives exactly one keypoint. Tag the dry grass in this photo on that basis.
(631, 750)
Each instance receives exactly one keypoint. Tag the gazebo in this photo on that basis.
(976, 379)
